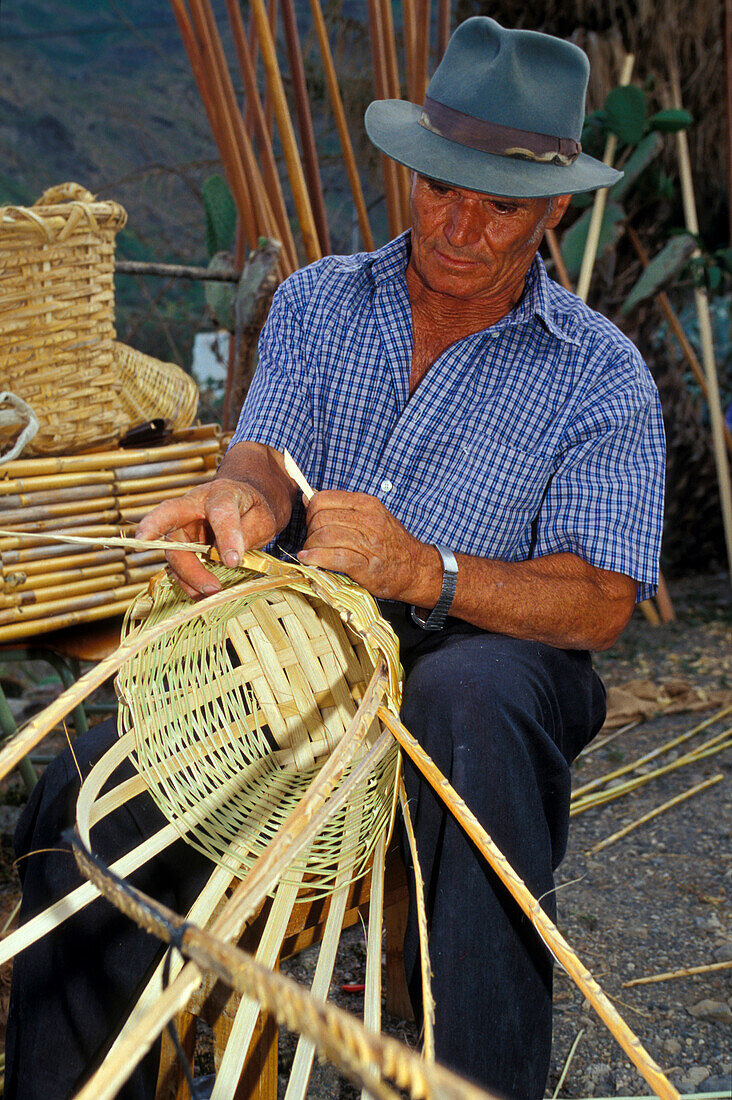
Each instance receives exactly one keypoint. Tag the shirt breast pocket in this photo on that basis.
(501, 489)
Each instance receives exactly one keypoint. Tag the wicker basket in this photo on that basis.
(151, 388)
(57, 317)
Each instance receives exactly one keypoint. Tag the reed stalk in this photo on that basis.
(685, 972)
(598, 209)
(286, 132)
(545, 928)
(593, 784)
(336, 103)
(696, 789)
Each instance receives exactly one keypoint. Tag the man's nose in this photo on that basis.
(464, 223)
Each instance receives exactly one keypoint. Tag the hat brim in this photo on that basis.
(393, 127)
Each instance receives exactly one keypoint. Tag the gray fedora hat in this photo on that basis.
(503, 115)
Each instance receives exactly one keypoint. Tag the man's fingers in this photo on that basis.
(338, 559)
(169, 516)
(193, 577)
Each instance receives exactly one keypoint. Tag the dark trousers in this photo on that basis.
(501, 718)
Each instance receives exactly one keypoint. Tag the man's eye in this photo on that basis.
(504, 207)
(439, 188)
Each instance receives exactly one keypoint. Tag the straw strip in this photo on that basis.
(666, 747)
(685, 972)
(338, 1035)
(654, 813)
(428, 1001)
(546, 929)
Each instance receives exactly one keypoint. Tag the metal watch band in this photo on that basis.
(436, 619)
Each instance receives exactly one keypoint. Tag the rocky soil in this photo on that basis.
(654, 901)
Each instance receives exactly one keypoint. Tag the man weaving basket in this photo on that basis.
(489, 458)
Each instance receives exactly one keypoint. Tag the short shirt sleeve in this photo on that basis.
(604, 501)
(278, 409)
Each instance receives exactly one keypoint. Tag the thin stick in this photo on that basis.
(705, 332)
(266, 154)
(663, 599)
(287, 135)
(341, 124)
(606, 740)
(409, 17)
(423, 48)
(600, 798)
(546, 929)
(654, 813)
(389, 167)
(393, 88)
(593, 234)
(567, 1064)
(559, 265)
(305, 123)
(685, 972)
(639, 761)
(443, 27)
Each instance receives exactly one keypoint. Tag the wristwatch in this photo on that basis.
(436, 619)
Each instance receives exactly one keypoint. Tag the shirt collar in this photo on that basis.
(390, 262)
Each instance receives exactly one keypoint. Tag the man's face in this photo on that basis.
(468, 245)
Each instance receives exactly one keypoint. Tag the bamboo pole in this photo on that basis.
(663, 301)
(57, 523)
(71, 618)
(340, 118)
(266, 154)
(705, 332)
(394, 91)
(424, 17)
(598, 209)
(378, 61)
(600, 798)
(18, 550)
(104, 460)
(203, 71)
(559, 264)
(696, 789)
(28, 515)
(58, 486)
(410, 47)
(287, 135)
(79, 597)
(31, 591)
(305, 123)
(42, 571)
(547, 930)
(252, 217)
(443, 27)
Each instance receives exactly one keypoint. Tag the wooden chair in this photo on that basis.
(217, 1005)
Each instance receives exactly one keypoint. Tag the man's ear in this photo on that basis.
(558, 207)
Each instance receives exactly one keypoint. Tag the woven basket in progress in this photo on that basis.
(234, 713)
(57, 317)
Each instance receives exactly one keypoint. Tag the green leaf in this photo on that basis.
(625, 110)
(662, 268)
(714, 276)
(220, 211)
(594, 134)
(637, 162)
(725, 258)
(220, 297)
(671, 120)
(575, 239)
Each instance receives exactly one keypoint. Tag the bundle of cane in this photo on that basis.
(47, 584)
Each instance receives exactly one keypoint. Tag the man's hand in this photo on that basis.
(232, 514)
(354, 533)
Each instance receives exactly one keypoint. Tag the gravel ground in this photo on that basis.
(654, 901)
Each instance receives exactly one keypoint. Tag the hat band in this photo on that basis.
(490, 137)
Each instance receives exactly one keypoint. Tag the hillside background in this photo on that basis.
(100, 92)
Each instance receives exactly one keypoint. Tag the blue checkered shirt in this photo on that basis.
(539, 435)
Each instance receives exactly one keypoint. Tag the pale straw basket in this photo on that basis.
(57, 317)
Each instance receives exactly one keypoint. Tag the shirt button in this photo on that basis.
(386, 486)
